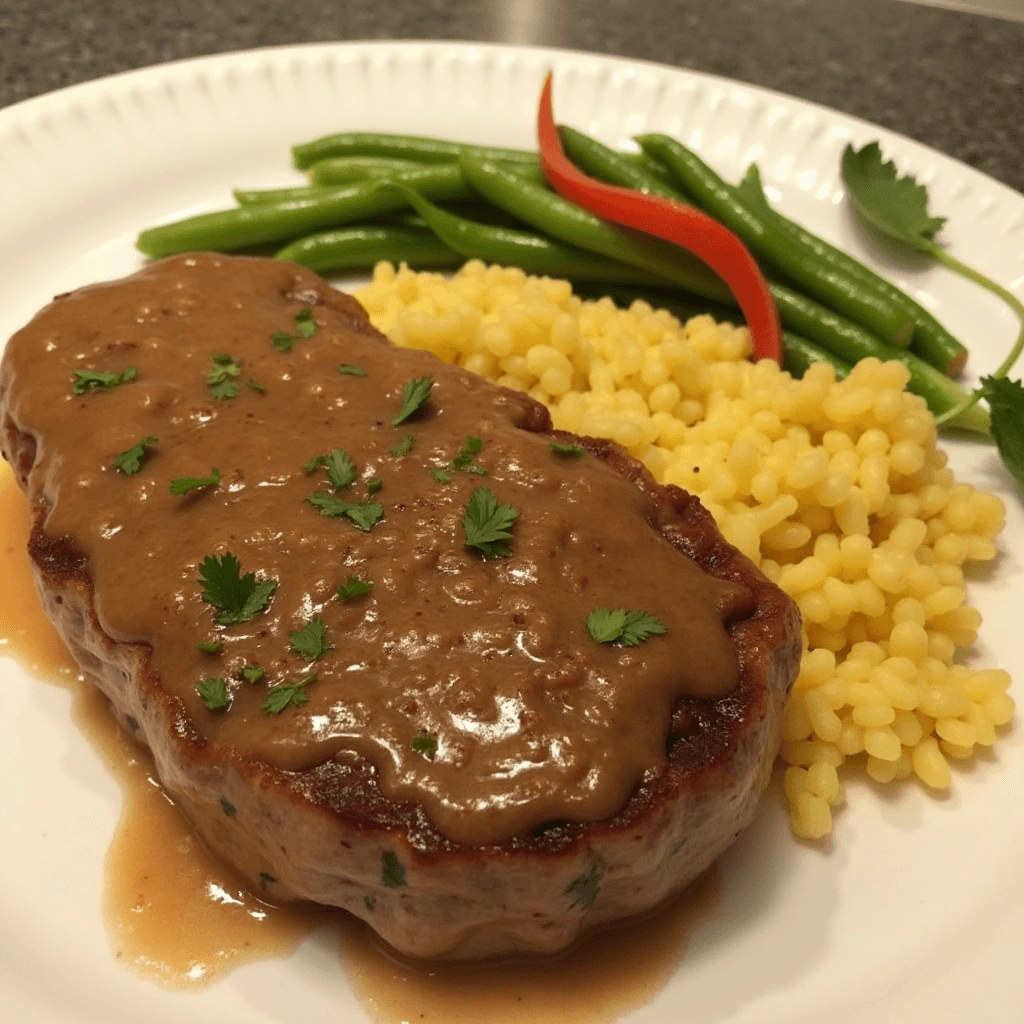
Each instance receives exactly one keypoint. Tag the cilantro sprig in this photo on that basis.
(341, 470)
(305, 327)
(622, 627)
(214, 694)
(130, 460)
(348, 370)
(288, 695)
(364, 515)
(237, 598)
(465, 461)
(898, 207)
(184, 484)
(252, 673)
(86, 381)
(573, 451)
(403, 447)
(354, 587)
(222, 376)
(311, 640)
(486, 524)
(414, 397)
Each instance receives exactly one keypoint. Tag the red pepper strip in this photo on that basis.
(674, 222)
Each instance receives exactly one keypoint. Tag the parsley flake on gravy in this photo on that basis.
(424, 744)
(86, 381)
(287, 695)
(348, 370)
(130, 460)
(238, 598)
(364, 515)
(252, 673)
(184, 484)
(465, 461)
(574, 451)
(414, 397)
(210, 646)
(353, 587)
(486, 524)
(256, 386)
(625, 628)
(305, 327)
(311, 640)
(214, 693)
(341, 470)
(222, 376)
(441, 475)
(392, 874)
(404, 446)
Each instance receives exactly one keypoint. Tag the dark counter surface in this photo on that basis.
(951, 80)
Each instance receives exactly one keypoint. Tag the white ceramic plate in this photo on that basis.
(915, 911)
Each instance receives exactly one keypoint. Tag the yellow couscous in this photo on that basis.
(835, 489)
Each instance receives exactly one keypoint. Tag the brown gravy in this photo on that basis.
(179, 918)
(487, 660)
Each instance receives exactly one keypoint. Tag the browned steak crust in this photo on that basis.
(329, 834)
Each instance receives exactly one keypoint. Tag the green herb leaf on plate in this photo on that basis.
(287, 695)
(414, 397)
(625, 628)
(86, 381)
(222, 377)
(214, 693)
(311, 640)
(238, 598)
(184, 484)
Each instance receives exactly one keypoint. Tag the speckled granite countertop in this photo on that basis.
(951, 80)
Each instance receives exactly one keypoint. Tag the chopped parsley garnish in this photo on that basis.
(341, 470)
(130, 460)
(214, 693)
(374, 484)
(305, 327)
(210, 646)
(370, 902)
(287, 695)
(404, 446)
(256, 386)
(440, 475)
(227, 807)
(465, 461)
(350, 371)
(414, 397)
(425, 745)
(222, 376)
(618, 626)
(364, 515)
(584, 889)
(265, 877)
(564, 448)
(392, 874)
(238, 598)
(100, 380)
(311, 640)
(353, 587)
(252, 673)
(184, 484)
(487, 524)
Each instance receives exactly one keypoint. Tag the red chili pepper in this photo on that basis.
(674, 222)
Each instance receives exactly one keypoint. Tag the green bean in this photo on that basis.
(655, 167)
(552, 215)
(783, 252)
(508, 247)
(360, 247)
(404, 147)
(798, 352)
(340, 170)
(598, 160)
(251, 196)
(931, 341)
(261, 223)
(799, 355)
(555, 216)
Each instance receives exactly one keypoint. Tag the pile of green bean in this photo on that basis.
(434, 204)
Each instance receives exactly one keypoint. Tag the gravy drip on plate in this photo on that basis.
(486, 660)
(178, 917)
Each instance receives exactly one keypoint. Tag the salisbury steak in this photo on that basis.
(369, 633)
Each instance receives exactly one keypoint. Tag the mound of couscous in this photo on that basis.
(835, 489)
